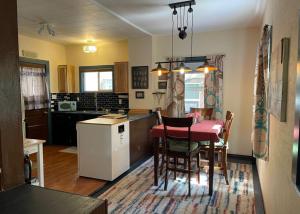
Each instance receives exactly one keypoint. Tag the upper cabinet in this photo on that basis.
(121, 77)
(66, 78)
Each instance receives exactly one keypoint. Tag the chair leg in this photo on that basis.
(189, 175)
(166, 175)
(198, 171)
(175, 166)
(162, 163)
(224, 164)
(185, 163)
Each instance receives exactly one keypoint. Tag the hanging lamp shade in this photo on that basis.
(160, 70)
(206, 67)
(182, 68)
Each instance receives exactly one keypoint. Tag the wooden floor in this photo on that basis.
(61, 172)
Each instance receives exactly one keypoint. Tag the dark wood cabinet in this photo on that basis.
(141, 144)
(64, 127)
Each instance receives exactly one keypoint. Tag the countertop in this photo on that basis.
(131, 117)
(103, 121)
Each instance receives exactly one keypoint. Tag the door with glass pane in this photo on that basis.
(35, 96)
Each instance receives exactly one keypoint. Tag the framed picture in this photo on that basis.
(279, 80)
(163, 77)
(140, 78)
(139, 95)
(162, 85)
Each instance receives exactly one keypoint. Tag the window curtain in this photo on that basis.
(260, 114)
(213, 87)
(175, 93)
(34, 87)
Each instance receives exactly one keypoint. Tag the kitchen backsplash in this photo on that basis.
(86, 101)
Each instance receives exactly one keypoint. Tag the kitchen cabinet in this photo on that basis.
(66, 78)
(64, 127)
(141, 145)
(121, 77)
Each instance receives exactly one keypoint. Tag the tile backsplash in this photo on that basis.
(86, 101)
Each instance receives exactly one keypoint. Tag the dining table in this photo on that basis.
(205, 130)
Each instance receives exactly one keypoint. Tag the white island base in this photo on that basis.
(103, 148)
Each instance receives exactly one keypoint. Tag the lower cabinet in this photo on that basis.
(141, 145)
(64, 127)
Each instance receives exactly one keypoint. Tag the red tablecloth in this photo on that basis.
(206, 130)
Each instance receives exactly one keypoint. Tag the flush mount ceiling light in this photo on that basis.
(89, 49)
(46, 27)
(206, 67)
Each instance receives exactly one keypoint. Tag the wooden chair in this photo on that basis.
(180, 147)
(206, 113)
(221, 147)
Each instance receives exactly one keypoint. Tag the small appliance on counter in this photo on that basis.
(67, 106)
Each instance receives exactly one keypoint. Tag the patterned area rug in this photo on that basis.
(135, 193)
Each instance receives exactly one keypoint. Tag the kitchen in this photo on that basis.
(65, 78)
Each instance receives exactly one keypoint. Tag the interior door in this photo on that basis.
(36, 118)
(36, 123)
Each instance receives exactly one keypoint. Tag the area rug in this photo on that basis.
(135, 193)
(71, 149)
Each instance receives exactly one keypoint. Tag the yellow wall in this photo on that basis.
(279, 192)
(59, 54)
(106, 54)
(53, 52)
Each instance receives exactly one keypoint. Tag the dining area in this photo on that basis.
(179, 142)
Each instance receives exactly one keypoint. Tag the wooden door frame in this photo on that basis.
(45, 63)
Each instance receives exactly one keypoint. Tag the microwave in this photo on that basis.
(67, 106)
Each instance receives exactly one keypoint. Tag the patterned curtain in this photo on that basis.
(175, 93)
(34, 87)
(213, 87)
(260, 114)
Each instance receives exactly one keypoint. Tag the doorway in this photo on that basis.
(34, 77)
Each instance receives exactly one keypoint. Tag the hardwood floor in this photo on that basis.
(61, 172)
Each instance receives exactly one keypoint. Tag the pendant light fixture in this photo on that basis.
(160, 70)
(182, 68)
(183, 12)
(182, 26)
(206, 67)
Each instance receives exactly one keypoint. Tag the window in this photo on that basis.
(194, 88)
(100, 79)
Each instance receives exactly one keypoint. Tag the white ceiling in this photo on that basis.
(76, 21)
(154, 16)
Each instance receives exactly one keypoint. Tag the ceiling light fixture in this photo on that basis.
(89, 49)
(44, 26)
(206, 67)
(160, 70)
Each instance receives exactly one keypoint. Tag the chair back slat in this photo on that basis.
(177, 123)
(227, 126)
(206, 113)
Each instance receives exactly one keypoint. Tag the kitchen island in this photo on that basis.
(103, 148)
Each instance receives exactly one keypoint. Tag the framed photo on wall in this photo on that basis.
(279, 80)
(140, 77)
(139, 95)
(162, 85)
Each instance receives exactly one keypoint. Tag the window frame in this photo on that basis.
(97, 68)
